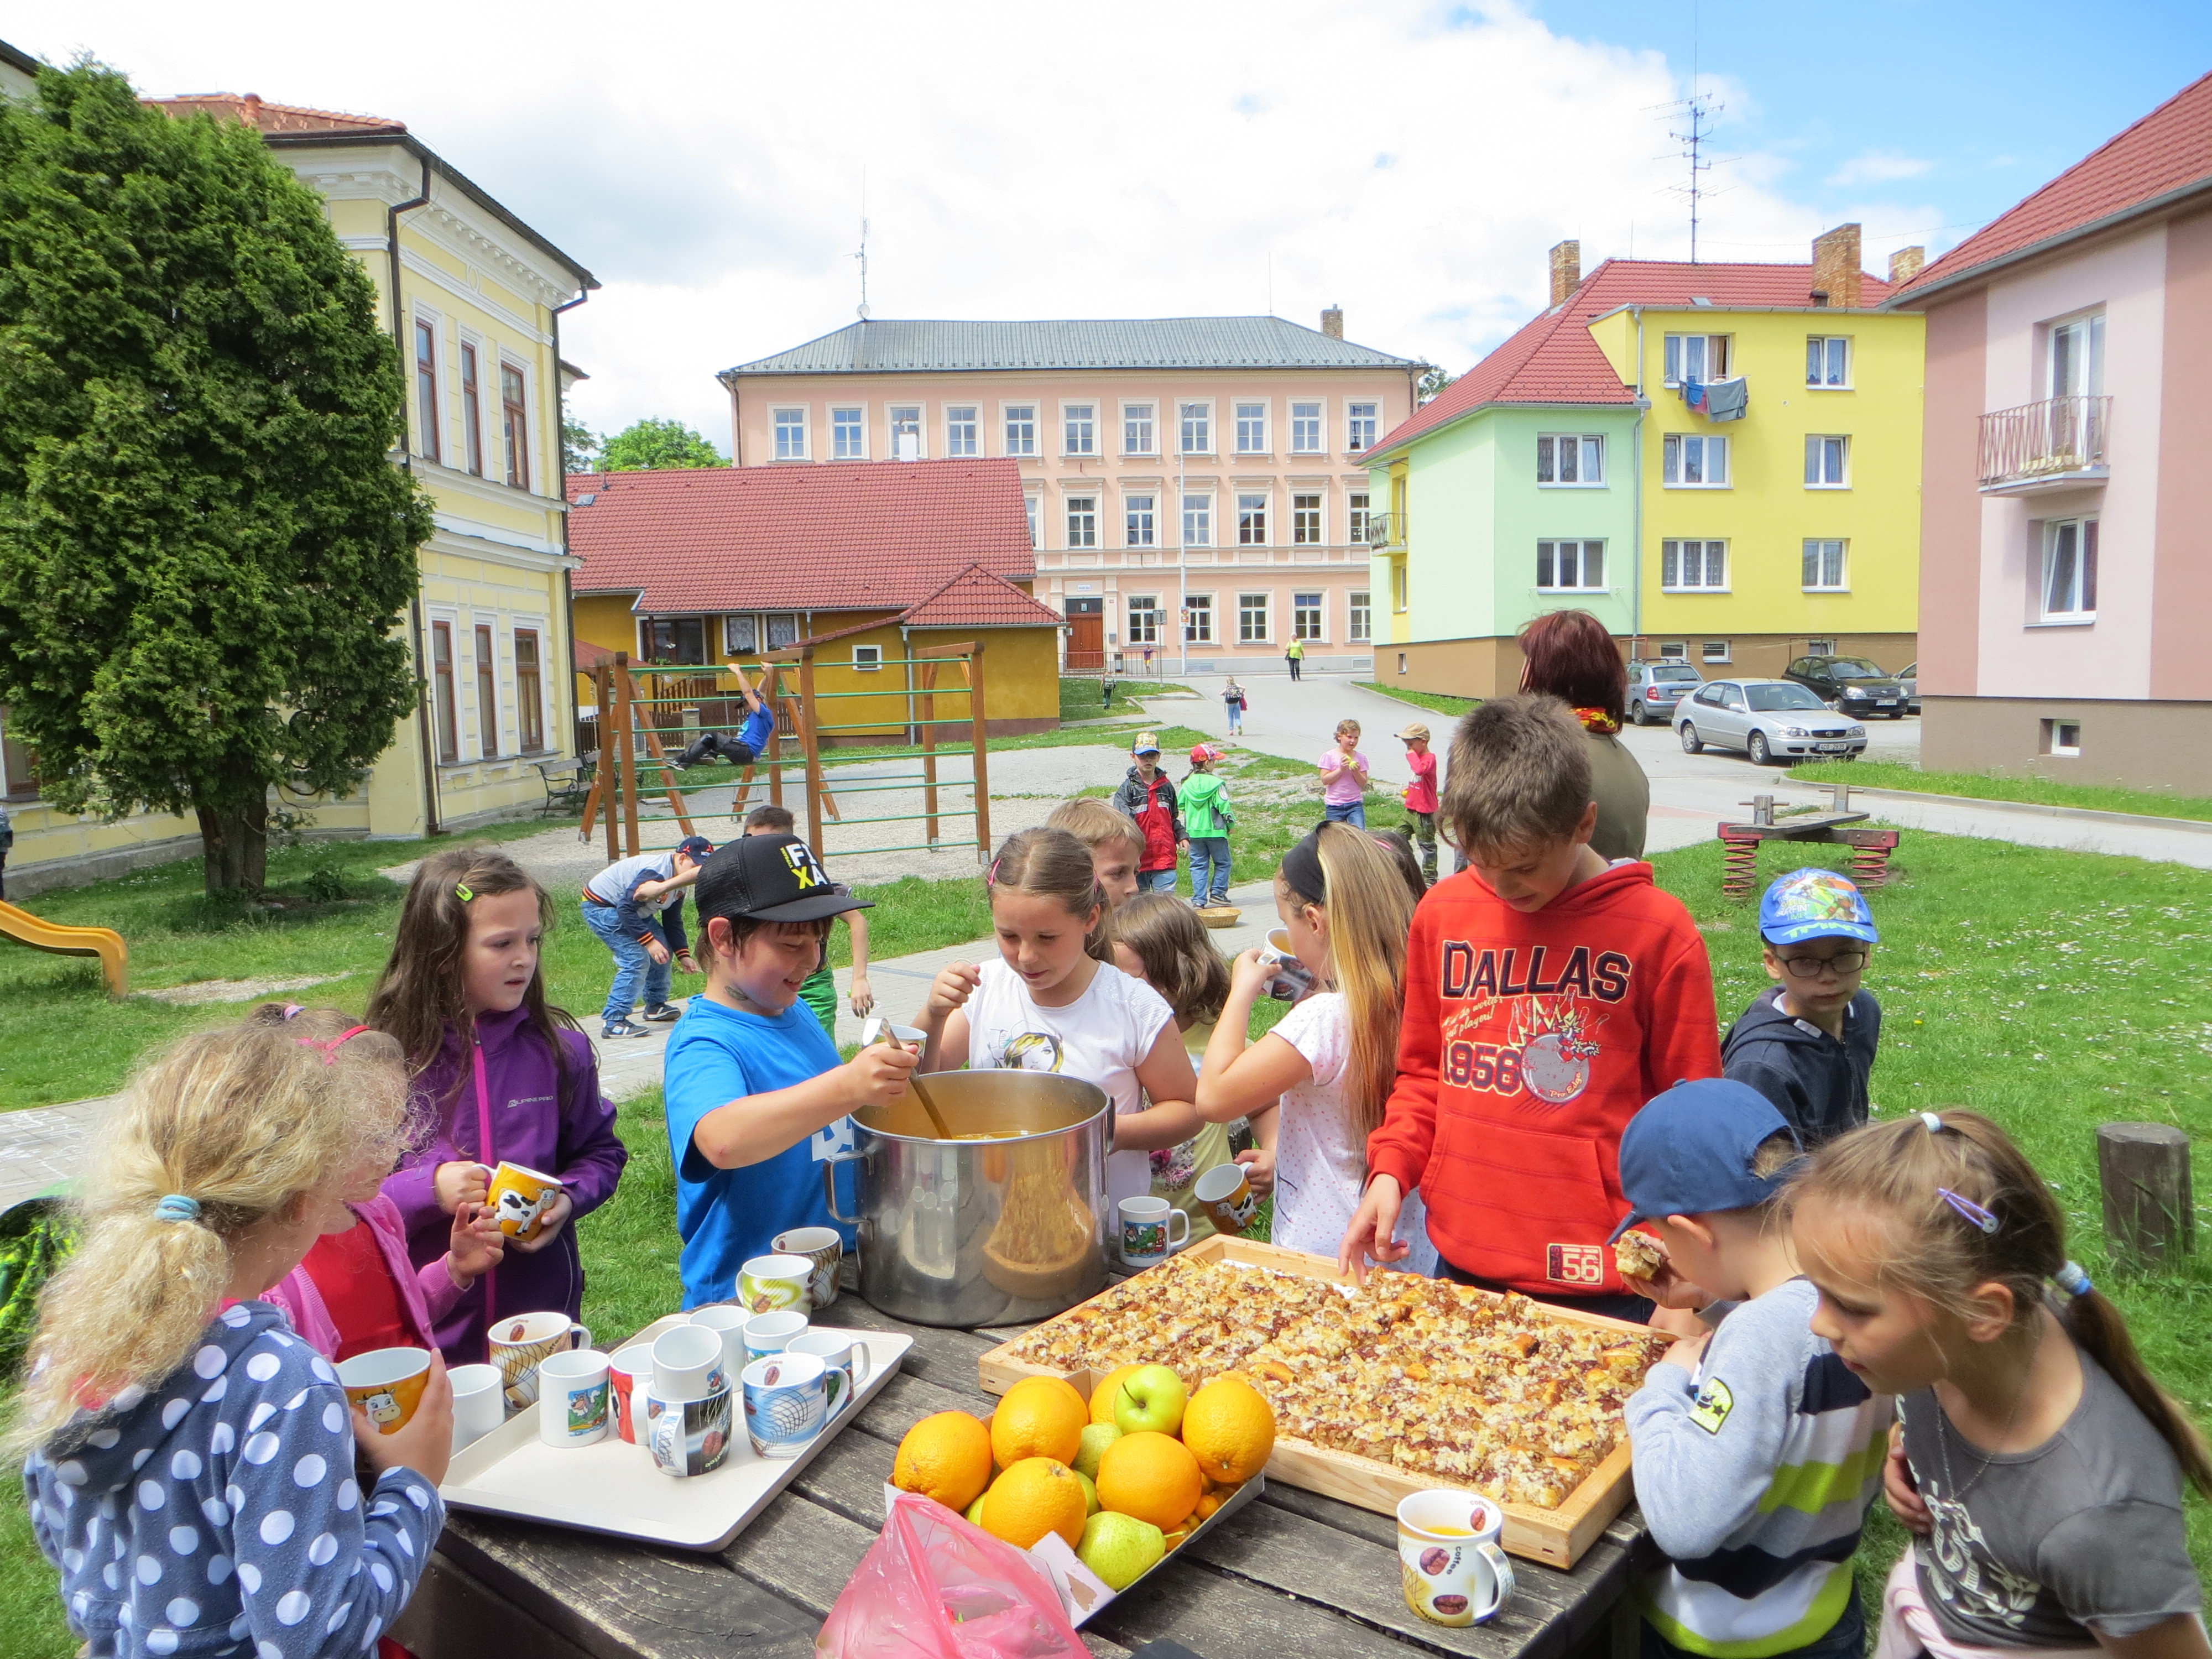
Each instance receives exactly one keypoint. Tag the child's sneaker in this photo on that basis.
(661, 1012)
(622, 1028)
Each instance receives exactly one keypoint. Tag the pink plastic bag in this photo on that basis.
(933, 1587)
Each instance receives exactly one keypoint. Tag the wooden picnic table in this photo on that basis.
(1291, 1575)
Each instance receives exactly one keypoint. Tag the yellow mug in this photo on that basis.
(1227, 1198)
(387, 1384)
(518, 1197)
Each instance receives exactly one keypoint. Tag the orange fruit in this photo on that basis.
(1152, 1476)
(947, 1457)
(1039, 1417)
(1033, 1497)
(1102, 1397)
(1229, 1428)
(1206, 1505)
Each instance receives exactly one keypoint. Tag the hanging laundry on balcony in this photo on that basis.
(1693, 395)
(1723, 400)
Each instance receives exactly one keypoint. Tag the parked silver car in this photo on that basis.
(1909, 677)
(1768, 720)
(1655, 686)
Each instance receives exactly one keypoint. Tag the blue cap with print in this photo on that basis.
(1815, 904)
(1689, 1151)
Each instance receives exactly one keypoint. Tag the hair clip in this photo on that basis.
(175, 1207)
(292, 1011)
(463, 892)
(331, 1048)
(990, 875)
(1966, 1207)
(2071, 1278)
(1935, 1123)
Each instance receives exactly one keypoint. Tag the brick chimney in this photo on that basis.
(1836, 273)
(1332, 322)
(1566, 269)
(1905, 264)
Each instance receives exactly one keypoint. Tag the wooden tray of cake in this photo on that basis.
(1452, 1387)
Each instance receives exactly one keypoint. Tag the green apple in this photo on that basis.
(1097, 1437)
(975, 1510)
(1090, 1494)
(1151, 1398)
(1120, 1548)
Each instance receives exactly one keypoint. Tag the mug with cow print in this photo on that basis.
(520, 1197)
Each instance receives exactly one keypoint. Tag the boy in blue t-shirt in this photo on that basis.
(757, 1098)
(752, 739)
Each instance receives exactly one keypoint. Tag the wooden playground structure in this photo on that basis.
(665, 721)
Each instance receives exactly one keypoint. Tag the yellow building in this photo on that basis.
(476, 321)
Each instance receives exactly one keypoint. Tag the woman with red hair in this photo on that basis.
(1568, 654)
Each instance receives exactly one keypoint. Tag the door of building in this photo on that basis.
(1086, 636)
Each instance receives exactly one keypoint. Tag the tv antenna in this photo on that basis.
(1692, 131)
(862, 255)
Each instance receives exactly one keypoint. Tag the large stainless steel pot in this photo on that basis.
(983, 1232)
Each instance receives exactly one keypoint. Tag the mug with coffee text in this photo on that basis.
(519, 1342)
(824, 1248)
(1450, 1564)
(768, 1284)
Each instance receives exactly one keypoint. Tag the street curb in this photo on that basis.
(2091, 814)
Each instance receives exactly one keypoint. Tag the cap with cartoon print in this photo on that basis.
(1815, 904)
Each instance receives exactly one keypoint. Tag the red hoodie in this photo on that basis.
(1528, 1042)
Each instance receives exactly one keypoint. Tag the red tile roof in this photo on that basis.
(1553, 360)
(863, 536)
(2168, 151)
(273, 117)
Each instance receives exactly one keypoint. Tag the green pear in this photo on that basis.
(1090, 1494)
(975, 1510)
(1120, 1548)
(1097, 1437)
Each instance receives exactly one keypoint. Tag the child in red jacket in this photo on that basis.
(1549, 995)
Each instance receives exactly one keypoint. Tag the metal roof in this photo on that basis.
(17, 60)
(893, 346)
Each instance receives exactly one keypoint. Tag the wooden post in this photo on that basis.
(610, 759)
(976, 722)
(808, 738)
(677, 803)
(2150, 1212)
(626, 793)
(929, 747)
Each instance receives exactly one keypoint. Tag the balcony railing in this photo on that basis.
(2058, 440)
(1386, 529)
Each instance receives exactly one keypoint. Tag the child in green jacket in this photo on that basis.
(1207, 821)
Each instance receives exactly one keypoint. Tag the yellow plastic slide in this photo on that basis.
(102, 942)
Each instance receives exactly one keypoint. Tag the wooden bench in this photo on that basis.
(567, 782)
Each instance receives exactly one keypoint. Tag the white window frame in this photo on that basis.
(533, 424)
(1142, 613)
(1363, 425)
(1252, 518)
(1676, 445)
(1835, 548)
(905, 421)
(1820, 353)
(1704, 560)
(1140, 430)
(1676, 352)
(1198, 518)
(1083, 507)
(1552, 550)
(1266, 610)
(2062, 737)
(1143, 534)
(1820, 647)
(1310, 428)
(430, 444)
(1198, 412)
(1197, 619)
(1581, 453)
(1715, 651)
(736, 643)
(1079, 423)
(2089, 327)
(1675, 651)
(867, 660)
(858, 426)
(2083, 582)
(1319, 510)
(1033, 506)
(1017, 424)
(1401, 587)
(783, 417)
(1359, 616)
(1251, 418)
(1827, 460)
(959, 443)
(1355, 518)
(1309, 623)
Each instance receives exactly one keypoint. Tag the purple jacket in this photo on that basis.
(567, 1132)
(424, 1293)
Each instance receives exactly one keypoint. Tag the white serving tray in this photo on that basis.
(613, 1486)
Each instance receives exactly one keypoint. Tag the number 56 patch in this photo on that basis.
(1710, 1405)
(1574, 1264)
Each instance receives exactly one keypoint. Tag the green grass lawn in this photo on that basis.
(1442, 704)
(1990, 785)
(1081, 697)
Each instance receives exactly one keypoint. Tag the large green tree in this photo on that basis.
(204, 548)
(649, 445)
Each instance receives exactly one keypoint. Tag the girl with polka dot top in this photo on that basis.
(191, 1465)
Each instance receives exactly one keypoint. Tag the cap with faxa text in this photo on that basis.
(771, 879)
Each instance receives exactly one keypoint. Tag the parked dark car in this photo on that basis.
(1654, 686)
(1852, 685)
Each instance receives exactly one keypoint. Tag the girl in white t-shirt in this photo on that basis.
(1055, 1002)
(1331, 1058)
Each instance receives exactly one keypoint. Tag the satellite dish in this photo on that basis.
(863, 310)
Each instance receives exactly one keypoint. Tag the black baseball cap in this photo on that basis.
(769, 878)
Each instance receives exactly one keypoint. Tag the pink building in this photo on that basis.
(1210, 469)
(2064, 581)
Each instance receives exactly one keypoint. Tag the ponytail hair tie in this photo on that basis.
(1935, 1123)
(292, 1011)
(175, 1207)
(2071, 1278)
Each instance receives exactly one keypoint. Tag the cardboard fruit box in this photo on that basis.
(1557, 1537)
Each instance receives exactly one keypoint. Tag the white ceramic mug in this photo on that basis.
(846, 1356)
(766, 1284)
(1148, 1231)
(786, 1402)
(688, 1364)
(769, 1333)
(1449, 1564)
(1292, 978)
(479, 1401)
(728, 1321)
(825, 1248)
(689, 1436)
(520, 1341)
(572, 1397)
(630, 1379)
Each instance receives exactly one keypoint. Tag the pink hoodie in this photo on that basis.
(424, 1296)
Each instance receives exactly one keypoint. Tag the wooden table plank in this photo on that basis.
(1220, 1616)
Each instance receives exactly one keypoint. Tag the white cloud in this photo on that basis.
(1877, 167)
(1021, 160)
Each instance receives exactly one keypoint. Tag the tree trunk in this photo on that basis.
(235, 846)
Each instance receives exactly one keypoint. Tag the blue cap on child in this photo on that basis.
(697, 848)
(1815, 904)
(1689, 1151)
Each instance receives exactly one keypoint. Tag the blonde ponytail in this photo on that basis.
(221, 1131)
(1370, 913)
